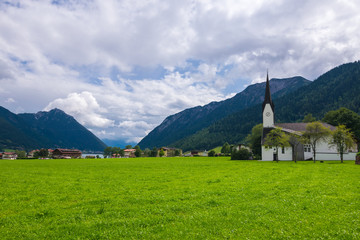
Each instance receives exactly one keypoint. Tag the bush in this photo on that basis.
(211, 153)
(242, 154)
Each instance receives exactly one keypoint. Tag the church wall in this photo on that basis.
(335, 156)
(267, 154)
(324, 151)
(287, 155)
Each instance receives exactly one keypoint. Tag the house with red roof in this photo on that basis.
(129, 153)
(9, 155)
(66, 153)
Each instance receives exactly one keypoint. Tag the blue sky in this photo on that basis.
(120, 67)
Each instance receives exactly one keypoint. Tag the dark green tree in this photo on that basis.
(20, 154)
(154, 152)
(42, 153)
(344, 116)
(177, 152)
(241, 154)
(116, 151)
(211, 153)
(128, 147)
(107, 151)
(161, 153)
(309, 118)
(147, 152)
(254, 139)
(226, 149)
(137, 151)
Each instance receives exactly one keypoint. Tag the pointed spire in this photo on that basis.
(267, 98)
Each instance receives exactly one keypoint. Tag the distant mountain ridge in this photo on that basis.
(53, 129)
(189, 121)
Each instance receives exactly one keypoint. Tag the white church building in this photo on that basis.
(324, 151)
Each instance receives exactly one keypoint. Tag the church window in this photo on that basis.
(282, 150)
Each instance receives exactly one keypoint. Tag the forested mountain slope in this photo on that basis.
(53, 129)
(189, 121)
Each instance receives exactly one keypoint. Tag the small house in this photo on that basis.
(66, 153)
(199, 153)
(129, 153)
(170, 152)
(9, 155)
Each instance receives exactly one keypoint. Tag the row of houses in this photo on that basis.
(128, 153)
(164, 152)
(57, 153)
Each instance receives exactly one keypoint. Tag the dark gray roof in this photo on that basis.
(296, 128)
(299, 127)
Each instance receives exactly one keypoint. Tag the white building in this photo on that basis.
(324, 151)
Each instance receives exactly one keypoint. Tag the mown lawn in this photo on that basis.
(178, 198)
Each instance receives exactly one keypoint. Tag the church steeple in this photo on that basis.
(268, 107)
(267, 98)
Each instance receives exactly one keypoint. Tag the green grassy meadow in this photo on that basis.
(178, 198)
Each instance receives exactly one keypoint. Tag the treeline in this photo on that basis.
(137, 152)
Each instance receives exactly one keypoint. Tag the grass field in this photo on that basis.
(178, 198)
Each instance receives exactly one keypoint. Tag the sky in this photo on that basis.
(120, 67)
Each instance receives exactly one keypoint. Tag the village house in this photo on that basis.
(66, 153)
(9, 155)
(324, 150)
(242, 146)
(31, 153)
(50, 151)
(129, 153)
(197, 153)
(170, 152)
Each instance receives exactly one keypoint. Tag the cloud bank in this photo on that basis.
(120, 67)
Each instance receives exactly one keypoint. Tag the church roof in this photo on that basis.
(299, 127)
(295, 128)
(267, 98)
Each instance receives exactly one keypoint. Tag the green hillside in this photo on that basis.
(189, 121)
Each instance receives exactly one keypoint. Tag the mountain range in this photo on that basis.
(189, 121)
(231, 120)
(53, 129)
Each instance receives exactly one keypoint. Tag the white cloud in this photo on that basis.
(84, 108)
(93, 58)
(10, 100)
